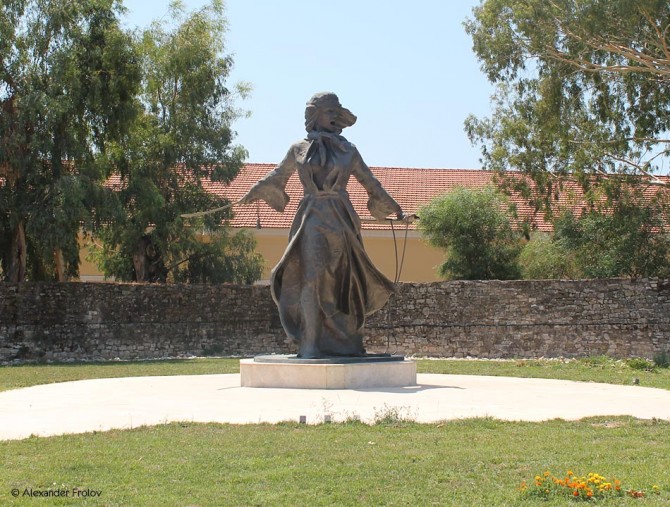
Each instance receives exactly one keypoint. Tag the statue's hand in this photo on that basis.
(253, 195)
(247, 199)
(274, 196)
(406, 217)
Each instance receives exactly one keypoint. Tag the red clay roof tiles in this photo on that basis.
(411, 188)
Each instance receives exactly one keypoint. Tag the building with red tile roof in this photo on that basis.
(411, 188)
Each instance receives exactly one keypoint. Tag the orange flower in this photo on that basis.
(575, 493)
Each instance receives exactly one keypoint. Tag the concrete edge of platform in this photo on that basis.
(327, 376)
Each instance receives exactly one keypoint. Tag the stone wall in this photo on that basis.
(61, 321)
(489, 319)
(527, 319)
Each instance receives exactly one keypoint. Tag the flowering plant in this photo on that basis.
(590, 487)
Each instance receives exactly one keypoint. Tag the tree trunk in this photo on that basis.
(147, 261)
(140, 260)
(60, 265)
(16, 271)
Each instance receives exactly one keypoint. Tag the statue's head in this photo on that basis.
(324, 112)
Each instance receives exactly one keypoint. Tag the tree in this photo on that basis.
(68, 75)
(582, 94)
(475, 228)
(545, 258)
(180, 140)
(627, 241)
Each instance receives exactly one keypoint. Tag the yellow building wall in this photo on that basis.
(421, 259)
(88, 271)
(420, 265)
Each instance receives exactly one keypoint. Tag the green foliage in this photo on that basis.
(180, 141)
(544, 258)
(582, 95)
(662, 359)
(475, 228)
(81, 100)
(224, 259)
(68, 75)
(639, 363)
(393, 416)
(627, 242)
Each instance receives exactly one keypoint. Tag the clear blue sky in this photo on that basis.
(405, 68)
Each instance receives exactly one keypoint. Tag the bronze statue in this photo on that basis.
(325, 284)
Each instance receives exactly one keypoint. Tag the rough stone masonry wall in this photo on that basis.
(527, 319)
(488, 319)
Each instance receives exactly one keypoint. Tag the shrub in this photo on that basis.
(623, 241)
(638, 363)
(544, 258)
(662, 359)
(475, 228)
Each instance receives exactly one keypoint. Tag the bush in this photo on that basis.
(474, 226)
(638, 363)
(662, 360)
(544, 258)
(624, 241)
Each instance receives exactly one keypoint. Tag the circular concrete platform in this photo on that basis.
(123, 403)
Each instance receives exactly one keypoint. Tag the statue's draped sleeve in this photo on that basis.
(271, 188)
(380, 203)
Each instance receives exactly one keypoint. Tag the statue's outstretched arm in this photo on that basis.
(271, 188)
(380, 203)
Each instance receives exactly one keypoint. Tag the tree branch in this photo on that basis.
(654, 64)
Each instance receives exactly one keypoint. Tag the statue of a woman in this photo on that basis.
(325, 284)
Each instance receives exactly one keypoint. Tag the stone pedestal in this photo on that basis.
(336, 373)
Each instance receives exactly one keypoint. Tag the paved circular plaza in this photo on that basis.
(123, 403)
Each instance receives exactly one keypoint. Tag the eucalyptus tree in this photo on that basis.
(68, 80)
(582, 95)
(180, 141)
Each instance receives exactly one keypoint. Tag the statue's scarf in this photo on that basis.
(320, 145)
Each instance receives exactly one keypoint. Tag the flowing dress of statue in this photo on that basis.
(325, 284)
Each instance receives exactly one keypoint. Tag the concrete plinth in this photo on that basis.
(330, 374)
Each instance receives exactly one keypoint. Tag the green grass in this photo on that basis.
(476, 462)
(15, 377)
(594, 369)
(589, 369)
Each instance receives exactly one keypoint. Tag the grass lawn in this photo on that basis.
(593, 369)
(14, 377)
(475, 462)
